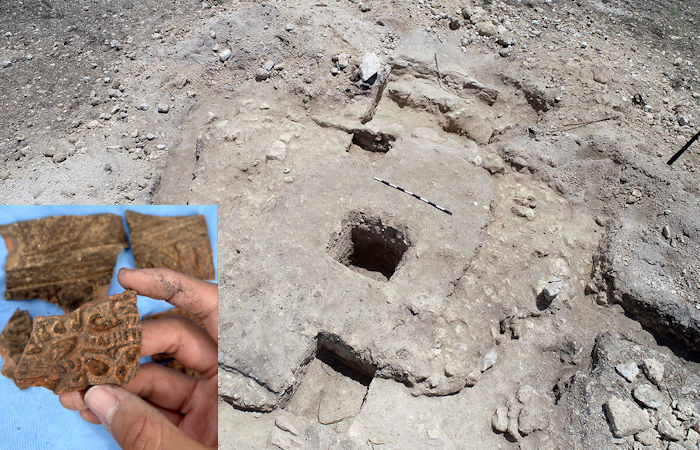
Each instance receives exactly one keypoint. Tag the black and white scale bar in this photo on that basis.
(446, 211)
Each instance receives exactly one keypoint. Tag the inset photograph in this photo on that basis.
(108, 326)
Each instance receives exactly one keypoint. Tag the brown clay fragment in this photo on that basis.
(13, 339)
(98, 343)
(67, 260)
(179, 243)
(167, 358)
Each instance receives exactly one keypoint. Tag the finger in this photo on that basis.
(89, 416)
(73, 400)
(172, 416)
(162, 386)
(182, 338)
(188, 293)
(133, 423)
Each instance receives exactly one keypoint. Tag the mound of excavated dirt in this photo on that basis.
(557, 306)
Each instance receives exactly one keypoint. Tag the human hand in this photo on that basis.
(162, 408)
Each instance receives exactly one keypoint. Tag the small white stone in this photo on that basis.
(277, 151)
(370, 66)
(552, 289)
(225, 54)
(648, 396)
(628, 370)
(625, 417)
(499, 421)
(490, 359)
(653, 369)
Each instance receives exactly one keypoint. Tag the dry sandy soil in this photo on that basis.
(558, 306)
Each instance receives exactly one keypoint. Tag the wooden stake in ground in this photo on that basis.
(437, 67)
(571, 126)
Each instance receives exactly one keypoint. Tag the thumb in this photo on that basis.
(133, 423)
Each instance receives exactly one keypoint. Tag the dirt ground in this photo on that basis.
(556, 306)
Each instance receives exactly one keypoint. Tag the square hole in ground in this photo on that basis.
(335, 384)
(368, 246)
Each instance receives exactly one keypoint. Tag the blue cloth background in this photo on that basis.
(33, 418)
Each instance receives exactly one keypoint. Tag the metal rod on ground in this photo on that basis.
(685, 147)
(446, 211)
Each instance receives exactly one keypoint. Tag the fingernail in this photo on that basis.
(103, 403)
(125, 269)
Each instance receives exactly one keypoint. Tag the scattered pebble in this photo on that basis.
(628, 370)
(163, 108)
(493, 163)
(370, 66)
(486, 29)
(499, 421)
(648, 437)
(341, 60)
(654, 370)
(625, 417)
(261, 74)
(269, 65)
(225, 55)
(648, 396)
(144, 106)
(150, 136)
(6, 64)
(490, 359)
(523, 211)
(599, 78)
(552, 289)
(277, 151)
(666, 231)
(670, 429)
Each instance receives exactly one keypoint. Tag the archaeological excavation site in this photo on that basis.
(442, 223)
